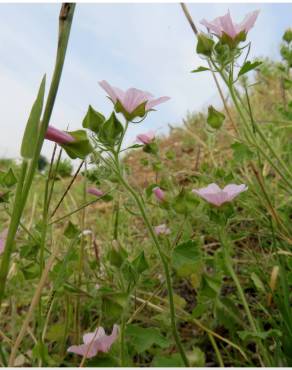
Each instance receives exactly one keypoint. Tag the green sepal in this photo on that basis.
(204, 45)
(80, 147)
(140, 111)
(215, 119)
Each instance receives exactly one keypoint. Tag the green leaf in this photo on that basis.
(140, 263)
(8, 179)
(113, 305)
(215, 119)
(204, 45)
(185, 202)
(187, 258)
(248, 66)
(247, 335)
(241, 152)
(56, 332)
(93, 120)
(173, 360)
(143, 339)
(80, 147)
(31, 133)
(71, 231)
(200, 69)
(111, 130)
(117, 256)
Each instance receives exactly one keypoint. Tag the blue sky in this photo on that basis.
(148, 46)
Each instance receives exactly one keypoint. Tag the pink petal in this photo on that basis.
(58, 136)
(114, 92)
(87, 350)
(133, 98)
(159, 194)
(227, 25)
(104, 343)
(248, 21)
(89, 337)
(95, 191)
(152, 103)
(162, 230)
(216, 196)
(213, 26)
(146, 138)
(216, 199)
(233, 190)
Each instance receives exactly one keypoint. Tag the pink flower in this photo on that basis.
(162, 230)
(95, 191)
(216, 196)
(224, 24)
(95, 342)
(146, 138)
(58, 136)
(131, 98)
(3, 236)
(159, 193)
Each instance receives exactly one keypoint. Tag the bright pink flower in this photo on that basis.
(162, 230)
(95, 342)
(146, 138)
(3, 236)
(216, 196)
(131, 98)
(159, 193)
(95, 191)
(58, 136)
(225, 24)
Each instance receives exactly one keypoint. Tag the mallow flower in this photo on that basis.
(162, 230)
(95, 191)
(216, 196)
(146, 138)
(58, 136)
(225, 25)
(95, 342)
(159, 194)
(130, 101)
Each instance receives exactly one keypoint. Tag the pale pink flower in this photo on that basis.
(58, 136)
(3, 237)
(226, 25)
(159, 193)
(131, 98)
(95, 342)
(95, 191)
(216, 196)
(162, 230)
(146, 138)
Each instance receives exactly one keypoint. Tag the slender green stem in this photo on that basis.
(164, 261)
